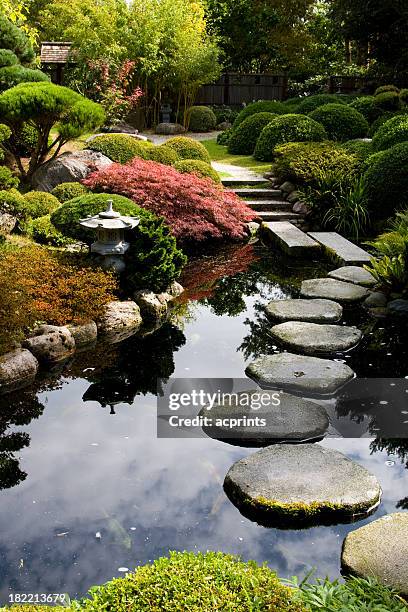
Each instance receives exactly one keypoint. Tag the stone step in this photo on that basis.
(269, 205)
(259, 194)
(340, 249)
(313, 338)
(291, 239)
(232, 181)
(279, 215)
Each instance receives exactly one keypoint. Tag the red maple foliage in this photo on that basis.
(194, 208)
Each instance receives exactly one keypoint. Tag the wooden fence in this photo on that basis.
(234, 89)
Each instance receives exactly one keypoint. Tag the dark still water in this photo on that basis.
(88, 489)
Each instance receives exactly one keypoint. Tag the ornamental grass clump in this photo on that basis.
(287, 128)
(193, 208)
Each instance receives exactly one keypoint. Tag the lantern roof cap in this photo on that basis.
(109, 219)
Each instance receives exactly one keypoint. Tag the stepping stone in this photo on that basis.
(300, 374)
(341, 249)
(322, 311)
(313, 338)
(380, 550)
(333, 290)
(286, 418)
(290, 239)
(355, 275)
(301, 485)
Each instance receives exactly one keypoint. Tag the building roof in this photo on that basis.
(55, 52)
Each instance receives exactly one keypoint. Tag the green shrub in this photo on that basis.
(263, 106)
(224, 113)
(243, 138)
(44, 232)
(67, 191)
(224, 137)
(391, 132)
(360, 148)
(40, 203)
(16, 40)
(120, 147)
(187, 148)
(14, 75)
(13, 203)
(197, 583)
(309, 104)
(388, 101)
(197, 167)
(303, 162)
(7, 58)
(163, 155)
(341, 122)
(200, 119)
(153, 261)
(287, 128)
(386, 115)
(367, 107)
(7, 179)
(404, 96)
(386, 180)
(386, 88)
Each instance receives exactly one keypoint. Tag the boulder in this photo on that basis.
(85, 334)
(278, 417)
(119, 321)
(7, 223)
(293, 197)
(301, 208)
(376, 299)
(152, 306)
(380, 550)
(301, 485)
(68, 168)
(298, 373)
(120, 128)
(51, 344)
(287, 187)
(172, 292)
(17, 369)
(170, 129)
(332, 289)
(311, 338)
(353, 274)
(113, 132)
(322, 311)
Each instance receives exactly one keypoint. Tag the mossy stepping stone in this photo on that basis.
(259, 418)
(332, 289)
(299, 373)
(299, 485)
(355, 275)
(313, 338)
(322, 311)
(380, 550)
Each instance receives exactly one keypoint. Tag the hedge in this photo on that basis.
(392, 132)
(243, 138)
(341, 122)
(262, 106)
(200, 119)
(197, 167)
(287, 128)
(187, 148)
(120, 148)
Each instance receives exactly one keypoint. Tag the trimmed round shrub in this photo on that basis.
(120, 148)
(386, 181)
(367, 107)
(153, 260)
(197, 167)
(187, 148)
(391, 132)
(309, 104)
(404, 96)
(263, 106)
(386, 88)
(14, 75)
(224, 137)
(13, 203)
(341, 122)
(7, 179)
(163, 155)
(197, 582)
(8, 58)
(243, 138)
(360, 148)
(40, 203)
(67, 191)
(388, 101)
(44, 232)
(287, 128)
(200, 119)
(380, 121)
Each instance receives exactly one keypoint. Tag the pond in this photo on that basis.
(88, 489)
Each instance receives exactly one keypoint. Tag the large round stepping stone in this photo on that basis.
(355, 275)
(313, 338)
(301, 485)
(259, 418)
(380, 550)
(333, 290)
(322, 311)
(300, 374)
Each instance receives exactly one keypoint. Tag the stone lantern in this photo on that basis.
(110, 229)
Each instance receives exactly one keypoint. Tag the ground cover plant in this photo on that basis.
(193, 208)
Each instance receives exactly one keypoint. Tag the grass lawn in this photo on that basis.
(220, 153)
